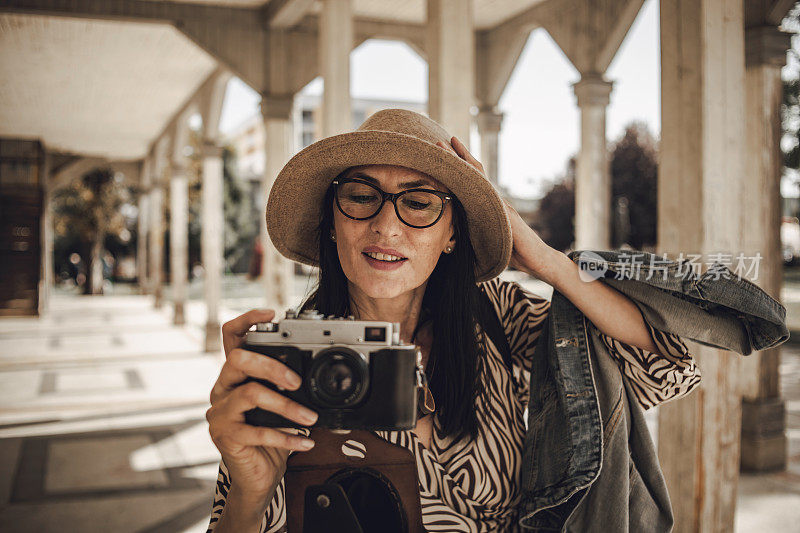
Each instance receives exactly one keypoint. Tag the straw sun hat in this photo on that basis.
(388, 137)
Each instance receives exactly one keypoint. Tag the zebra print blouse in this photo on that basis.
(473, 485)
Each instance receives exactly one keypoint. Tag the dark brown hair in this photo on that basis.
(451, 302)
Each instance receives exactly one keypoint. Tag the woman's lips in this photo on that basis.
(383, 265)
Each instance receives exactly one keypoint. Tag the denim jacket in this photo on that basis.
(589, 463)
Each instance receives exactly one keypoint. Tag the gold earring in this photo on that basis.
(448, 249)
(333, 237)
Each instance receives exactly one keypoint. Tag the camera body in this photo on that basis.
(356, 374)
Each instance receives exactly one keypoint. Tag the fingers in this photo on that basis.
(239, 325)
(461, 149)
(234, 330)
(253, 394)
(231, 408)
(228, 429)
(243, 363)
(446, 146)
(247, 435)
(462, 152)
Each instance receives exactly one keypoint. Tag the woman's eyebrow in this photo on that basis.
(403, 185)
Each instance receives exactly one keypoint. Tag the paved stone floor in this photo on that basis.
(771, 502)
(102, 419)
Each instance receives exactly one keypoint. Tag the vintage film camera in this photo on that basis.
(356, 374)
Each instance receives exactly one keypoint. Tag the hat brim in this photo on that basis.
(296, 195)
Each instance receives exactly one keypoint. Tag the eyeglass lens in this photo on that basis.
(417, 208)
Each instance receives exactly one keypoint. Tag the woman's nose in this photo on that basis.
(386, 220)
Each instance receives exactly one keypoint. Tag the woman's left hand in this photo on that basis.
(529, 250)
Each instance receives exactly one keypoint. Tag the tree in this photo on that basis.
(634, 180)
(634, 186)
(555, 218)
(790, 107)
(85, 213)
(241, 224)
(790, 111)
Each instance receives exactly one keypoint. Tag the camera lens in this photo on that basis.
(338, 377)
(337, 380)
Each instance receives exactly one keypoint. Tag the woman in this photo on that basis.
(406, 228)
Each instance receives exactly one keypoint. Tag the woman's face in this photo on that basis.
(421, 247)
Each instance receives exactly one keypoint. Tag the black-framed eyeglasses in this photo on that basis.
(359, 200)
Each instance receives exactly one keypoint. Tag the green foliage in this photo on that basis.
(634, 182)
(555, 219)
(634, 186)
(91, 203)
(88, 209)
(790, 106)
(790, 114)
(241, 226)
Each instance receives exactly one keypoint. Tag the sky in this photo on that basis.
(541, 127)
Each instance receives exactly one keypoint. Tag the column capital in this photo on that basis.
(150, 187)
(766, 45)
(276, 106)
(178, 167)
(592, 89)
(489, 120)
(146, 172)
(211, 148)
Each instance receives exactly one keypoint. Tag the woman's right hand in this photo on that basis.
(255, 456)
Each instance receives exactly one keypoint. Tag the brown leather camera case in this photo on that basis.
(358, 449)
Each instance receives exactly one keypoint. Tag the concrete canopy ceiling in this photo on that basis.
(94, 87)
(224, 3)
(487, 13)
(107, 88)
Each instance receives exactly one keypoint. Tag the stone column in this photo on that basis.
(47, 278)
(489, 123)
(179, 240)
(700, 211)
(451, 65)
(763, 409)
(156, 243)
(592, 177)
(277, 271)
(141, 242)
(211, 240)
(336, 40)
